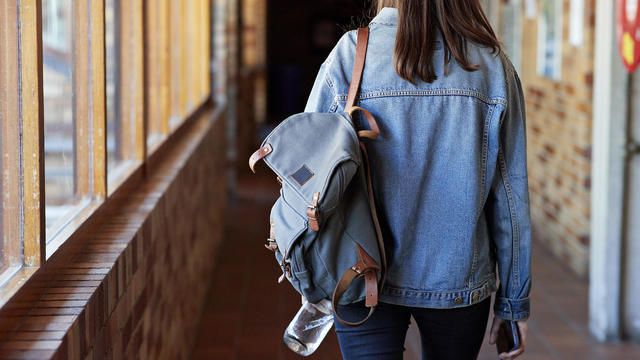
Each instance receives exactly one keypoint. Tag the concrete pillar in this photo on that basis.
(610, 113)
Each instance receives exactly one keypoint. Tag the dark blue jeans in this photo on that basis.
(446, 333)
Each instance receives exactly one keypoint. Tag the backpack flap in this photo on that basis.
(307, 150)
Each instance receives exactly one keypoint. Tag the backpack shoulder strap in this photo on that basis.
(358, 67)
(366, 266)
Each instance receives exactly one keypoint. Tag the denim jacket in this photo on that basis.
(449, 172)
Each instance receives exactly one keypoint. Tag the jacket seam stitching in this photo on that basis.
(489, 279)
(383, 23)
(485, 152)
(329, 82)
(514, 221)
(453, 92)
(485, 145)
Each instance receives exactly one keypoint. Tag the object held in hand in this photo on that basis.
(508, 337)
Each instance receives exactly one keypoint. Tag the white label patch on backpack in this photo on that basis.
(302, 175)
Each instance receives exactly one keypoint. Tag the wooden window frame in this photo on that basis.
(10, 157)
(90, 117)
(23, 113)
(26, 108)
(157, 35)
(131, 85)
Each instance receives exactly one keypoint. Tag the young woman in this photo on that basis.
(449, 175)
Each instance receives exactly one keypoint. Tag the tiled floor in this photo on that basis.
(247, 310)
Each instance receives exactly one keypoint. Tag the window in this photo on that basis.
(511, 31)
(576, 28)
(80, 88)
(21, 240)
(158, 73)
(73, 101)
(61, 156)
(177, 50)
(550, 39)
(177, 66)
(123, 87)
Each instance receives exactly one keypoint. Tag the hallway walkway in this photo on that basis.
(247, 310)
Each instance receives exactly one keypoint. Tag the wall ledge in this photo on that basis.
(75, 296)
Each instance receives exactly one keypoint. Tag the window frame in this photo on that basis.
(24, 116)
(136, 17)
(10, 142)
(89, 117)
(542, 42)
(158, 71)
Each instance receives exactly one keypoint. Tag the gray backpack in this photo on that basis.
(324, 227)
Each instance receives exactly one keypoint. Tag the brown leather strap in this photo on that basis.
(356, 77)
(373, 125)
(312, 213)
(364, 266)
(259, 155)
(344, 283)
(271, 243)
(374, 216)
(358, 66)
(367, 267)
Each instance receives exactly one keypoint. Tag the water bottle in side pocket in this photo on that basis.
(309, 327)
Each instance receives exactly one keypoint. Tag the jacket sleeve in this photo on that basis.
(323, 97)
(508, 207)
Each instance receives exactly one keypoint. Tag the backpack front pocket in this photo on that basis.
(292, 235)
(288, 226)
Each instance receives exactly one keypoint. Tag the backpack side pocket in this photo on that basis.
(292, 235)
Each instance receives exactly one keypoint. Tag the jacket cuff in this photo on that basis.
(511, 309)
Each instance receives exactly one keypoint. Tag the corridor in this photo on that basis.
(132, 228)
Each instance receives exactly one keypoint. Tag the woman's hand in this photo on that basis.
(522, 329)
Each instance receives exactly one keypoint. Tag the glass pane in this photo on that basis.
(119, 132)
(191, 33)
(59, 119)
(178, 96)
(113, 125)
(155, 46)
(510, 32)
(550, 39)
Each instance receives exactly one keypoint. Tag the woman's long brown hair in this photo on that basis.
(459, 21)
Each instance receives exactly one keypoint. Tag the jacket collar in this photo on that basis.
(388, 15)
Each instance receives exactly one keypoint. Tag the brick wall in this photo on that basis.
(559, 125)
(157, 313)
(133, 286)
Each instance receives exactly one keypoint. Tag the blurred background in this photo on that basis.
(576, 59)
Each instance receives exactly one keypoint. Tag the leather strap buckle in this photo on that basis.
(313, 213)
(365, 267)
(271, 241)
(271, 244)
(286, 268)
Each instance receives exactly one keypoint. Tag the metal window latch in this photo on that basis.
(632, 148)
